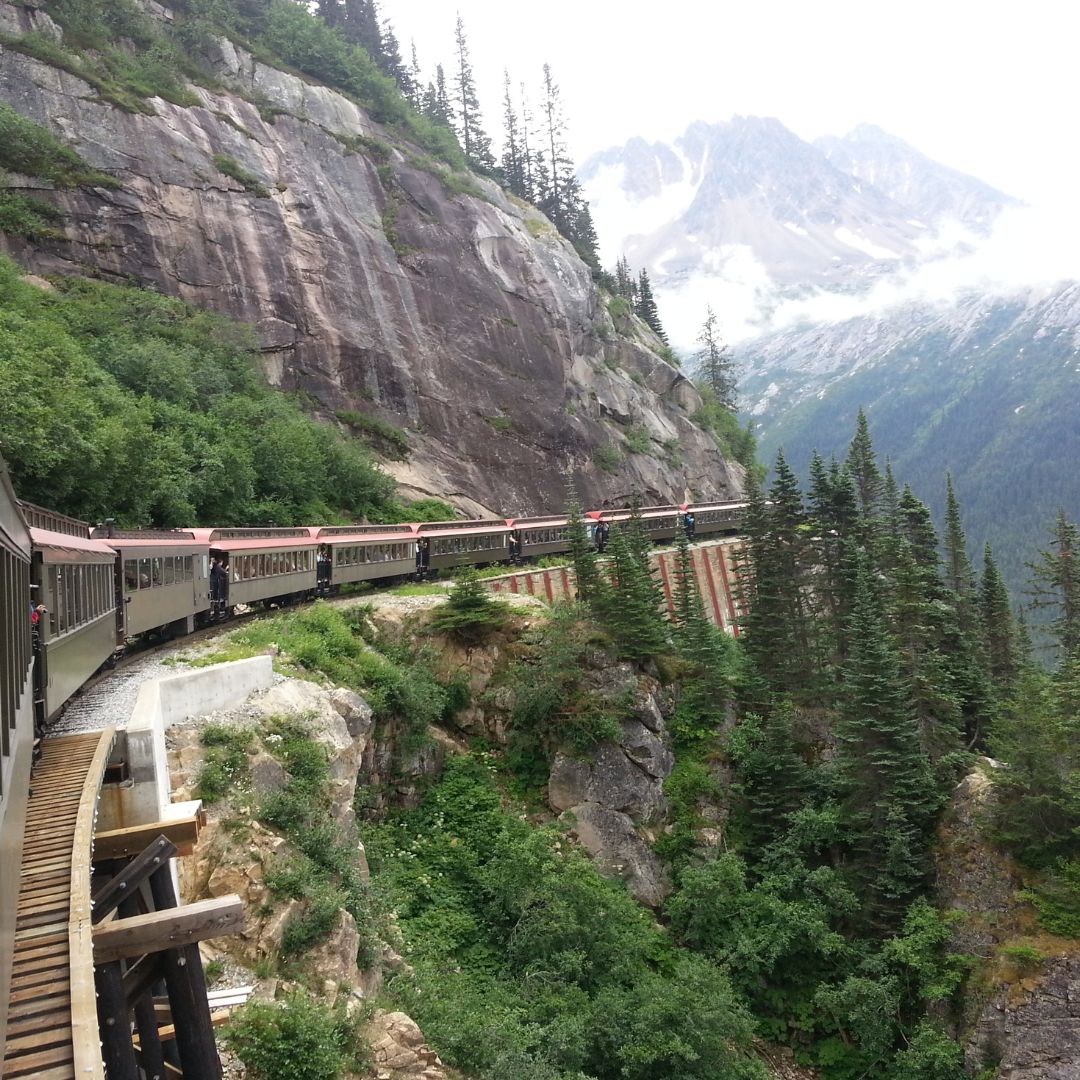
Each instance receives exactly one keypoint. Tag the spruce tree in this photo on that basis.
(362, 27)
(645, 307)
(513, 162)
(628, 607)
(885, 784)
(862, 464)
(959, 573)
(582, 552)
(392, 63)
(437, 100)
(416, 97)
(715, 366)
(1055, 584)
(474, 141)
(332, 12)
(999, 633)
(625, 285)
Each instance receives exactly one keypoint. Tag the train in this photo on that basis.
(74, 596)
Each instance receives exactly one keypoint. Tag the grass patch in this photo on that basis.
(224, 766)
(537, 227)
(235, 171)
(377, 432)
(28, 217)
(502, 424)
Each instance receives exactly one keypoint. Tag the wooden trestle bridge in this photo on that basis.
(107, 977)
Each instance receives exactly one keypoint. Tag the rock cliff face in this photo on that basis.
(373, 285)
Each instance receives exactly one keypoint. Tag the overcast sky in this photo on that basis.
(989, 87)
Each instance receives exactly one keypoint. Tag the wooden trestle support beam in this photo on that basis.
(130, 940)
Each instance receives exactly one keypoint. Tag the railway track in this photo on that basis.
(52, 1031)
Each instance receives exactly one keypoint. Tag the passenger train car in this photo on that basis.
(72, 597)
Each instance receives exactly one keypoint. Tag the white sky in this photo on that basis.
(989, 87)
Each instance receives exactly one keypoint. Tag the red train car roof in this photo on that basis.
(57, 547)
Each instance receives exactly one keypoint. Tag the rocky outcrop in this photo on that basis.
(1033, 1031)
(607, 797)
(400, 1050)
(463, 318)
(1019, 1015)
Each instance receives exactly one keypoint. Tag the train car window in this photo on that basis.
(155, 572)
(189, 568)
(168, 571)
(144, 573)
(205, 564)
(131, 575)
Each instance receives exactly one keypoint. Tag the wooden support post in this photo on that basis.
(116, 1047)
(141, 977)
(124, 884)
(152, 1058)
(186, 984)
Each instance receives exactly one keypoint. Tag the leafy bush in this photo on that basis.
(156, 415)
(28, 148)
(638, 441)
(27, 216)
(502, 424)
(608, 458)
(1057, 899)
(294, 1039)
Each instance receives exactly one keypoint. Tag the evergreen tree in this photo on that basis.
(474, 141)
(1055, 583)
(998, 631)
(528, 152)
(361, 27)
(862, 464)
(715, 366)
(959, 573)
(556, 166)
(625, 284)
(392, 63)
(885, 785)
(582, 552)
(628, 606)
(437, 101)
(332, 12)
(416, 97)
(688, 610)
(513, 160)
(646, 306)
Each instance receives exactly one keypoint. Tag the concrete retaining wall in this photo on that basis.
(713, 570)
(147, 796)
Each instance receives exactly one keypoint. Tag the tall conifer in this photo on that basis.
(474, 140)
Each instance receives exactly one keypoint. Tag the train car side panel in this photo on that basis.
(16, 719)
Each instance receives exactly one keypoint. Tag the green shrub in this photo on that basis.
(608, 458)
(1026, 958)
(1057, 899)
(380, 434)
(502, 424)
(29, 217)
(638, 441)
(28, 148)
(618, 307)
(248, 180)
(225, 763)
(295, 1039)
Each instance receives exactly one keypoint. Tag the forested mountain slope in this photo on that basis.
(382, 281)
(988, 388)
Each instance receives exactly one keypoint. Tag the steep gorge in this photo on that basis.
(378, 282)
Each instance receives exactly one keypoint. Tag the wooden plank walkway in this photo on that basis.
(52, 1018)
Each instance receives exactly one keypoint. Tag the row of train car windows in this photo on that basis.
(162, 570)
(455, 545)
(246, 567)
(546, 536)
(707, 516)
(15, 643)
(78, 594)
(656, 524)
(370, 553)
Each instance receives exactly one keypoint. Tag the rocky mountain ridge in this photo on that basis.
(829, 214)
(378, 282)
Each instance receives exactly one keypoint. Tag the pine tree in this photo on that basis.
(513, 161)
(1055, 584)
(959, 573)
(474, 140)
(437, 101)
(646, 306)
(625, 285)
(688, 611)
(582, 552)
(416, 97)
(361, 27)
(999, 633)
(332, 12)
(885, 785)
(553, 126)
(528, 153)
(628, 608)
(392, 64)
(715, 366)
(862, 464)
